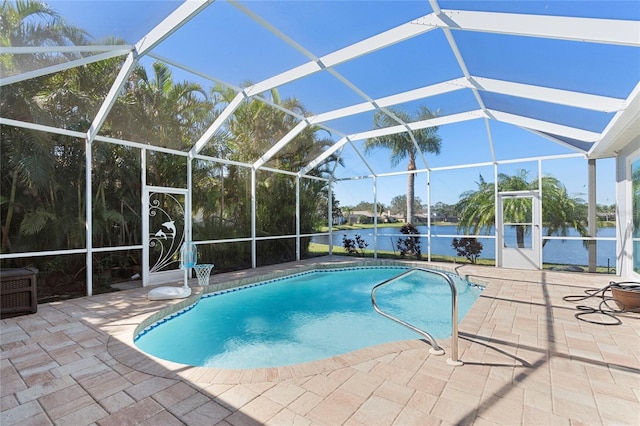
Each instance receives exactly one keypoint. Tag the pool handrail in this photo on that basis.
(435, 348)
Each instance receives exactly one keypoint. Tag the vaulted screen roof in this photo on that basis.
(507, 79)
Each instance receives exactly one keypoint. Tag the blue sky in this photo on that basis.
(224, 43)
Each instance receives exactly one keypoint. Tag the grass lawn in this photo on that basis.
(357, 226)
(323, 249)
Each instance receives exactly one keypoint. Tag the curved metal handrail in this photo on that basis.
(435, 348)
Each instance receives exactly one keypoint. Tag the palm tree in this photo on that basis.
(34, 23)
(27, 169)
(255, 127)
(402, 146)
(28, 163)
(476, 209)
(172, 113)
(560, 211)
(348, 210)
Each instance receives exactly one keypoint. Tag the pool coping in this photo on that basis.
(122, 348)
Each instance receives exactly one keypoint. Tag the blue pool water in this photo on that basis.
(305, 317)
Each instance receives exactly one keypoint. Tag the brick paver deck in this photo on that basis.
(527, 360)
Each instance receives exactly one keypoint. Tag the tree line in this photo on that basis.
(397, 207)
(475, 210)
(42, 190)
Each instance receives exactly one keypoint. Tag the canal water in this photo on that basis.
(568, 252)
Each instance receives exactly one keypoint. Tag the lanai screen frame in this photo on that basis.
(566, 28)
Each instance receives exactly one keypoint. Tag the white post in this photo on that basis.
(537, 219)
(254, 262)
(375, 217)
(144, 200)
(591, 214)
(188, 214)
(497, 214)
(88, 215)
(297, 217)
(330, 197)
(429, 215)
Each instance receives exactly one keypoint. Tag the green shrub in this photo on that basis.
(468, 247)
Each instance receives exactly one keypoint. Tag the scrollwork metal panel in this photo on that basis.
(166, 226)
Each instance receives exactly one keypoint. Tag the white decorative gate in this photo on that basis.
(165, 227)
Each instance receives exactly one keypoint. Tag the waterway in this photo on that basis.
(567, 252)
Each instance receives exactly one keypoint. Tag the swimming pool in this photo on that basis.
(304, 317)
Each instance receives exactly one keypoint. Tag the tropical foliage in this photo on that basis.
(405, 145)
(322, 214)
(355, 245)
(249, 133)
(42, 191)
(399, 204)
(34, 23)
(410, 244)
(560, 211)
(43, 174)
(468, 247)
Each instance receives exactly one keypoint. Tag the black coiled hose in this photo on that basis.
(604, 307)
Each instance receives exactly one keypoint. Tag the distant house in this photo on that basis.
(366, 217)
(391, 218)
(420, 218)
(423, 218)
(361, 216)
(438, 217)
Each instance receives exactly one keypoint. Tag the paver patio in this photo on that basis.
(527, 360)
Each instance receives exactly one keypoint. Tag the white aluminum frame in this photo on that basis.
(618, 132)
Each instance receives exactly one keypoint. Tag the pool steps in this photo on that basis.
(435, 347)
